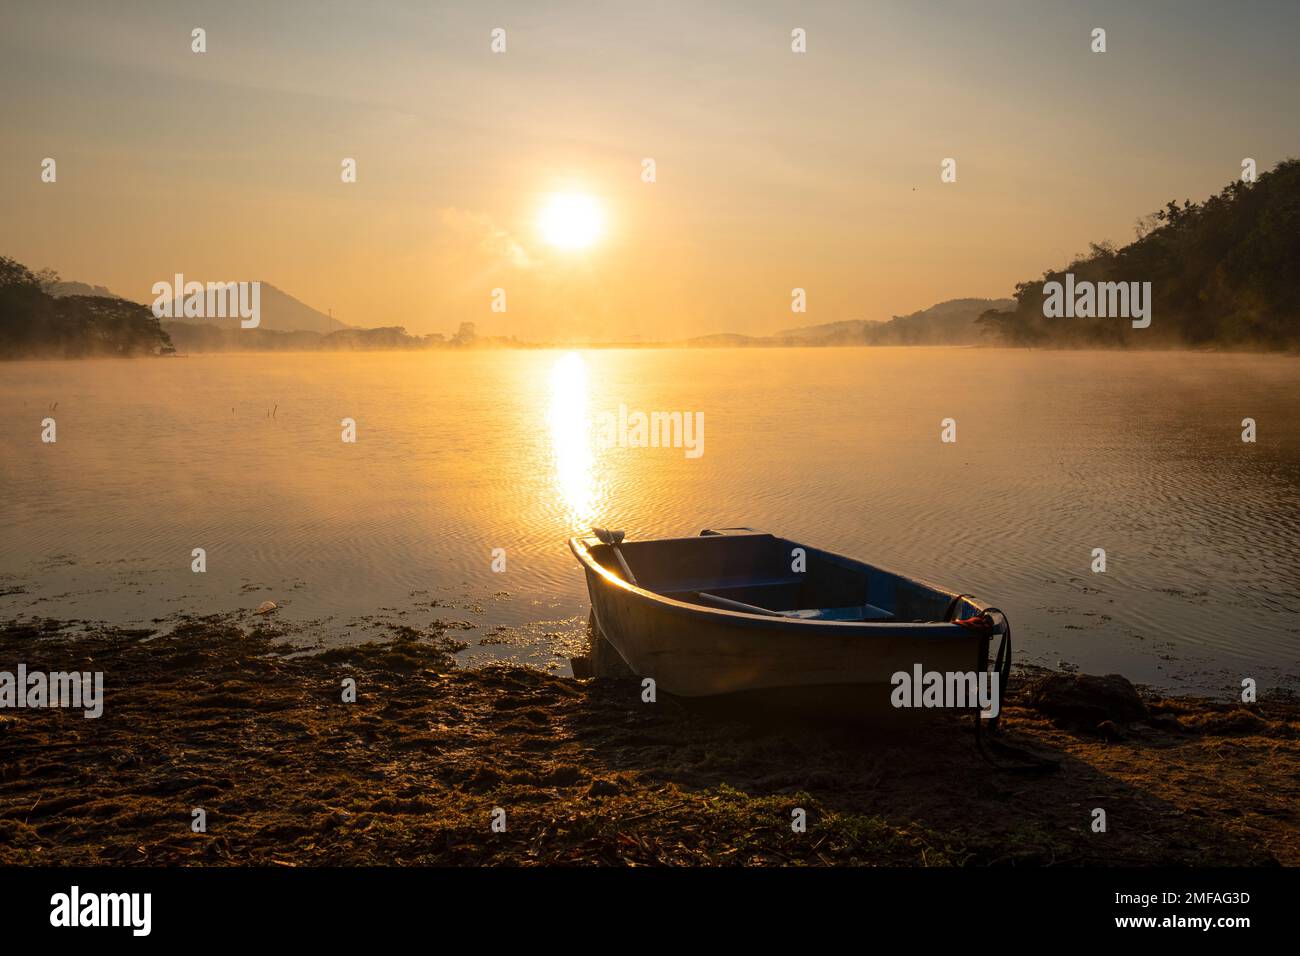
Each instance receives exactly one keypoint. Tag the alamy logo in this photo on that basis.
(947, 689)
(217, 300)
(103, 909)
(1100, 300)
(55, 689)
(626, 429)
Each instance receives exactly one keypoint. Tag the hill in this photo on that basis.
(948, 323)
(61, 289)
(954, 322)
(280, 312)
(849, 328)
(1224, 272)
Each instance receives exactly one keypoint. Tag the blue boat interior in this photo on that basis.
(755, 573)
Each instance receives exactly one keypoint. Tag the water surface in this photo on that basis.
(460, 453)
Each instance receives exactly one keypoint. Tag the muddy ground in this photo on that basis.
(215, 715)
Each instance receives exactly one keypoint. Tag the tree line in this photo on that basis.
(1224, 272)
(36, 324)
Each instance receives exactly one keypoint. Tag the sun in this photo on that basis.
(571, 221)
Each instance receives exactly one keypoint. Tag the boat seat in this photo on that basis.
(858, 612)
(861, 612)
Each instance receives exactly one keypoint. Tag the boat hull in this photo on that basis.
(694, 651)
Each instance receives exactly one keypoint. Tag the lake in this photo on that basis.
(458, 453)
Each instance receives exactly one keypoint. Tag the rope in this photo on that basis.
(1031, 763)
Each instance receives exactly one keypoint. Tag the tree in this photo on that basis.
(1223, 272)
(34, 323)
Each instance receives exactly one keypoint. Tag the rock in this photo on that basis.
(266, 607)
(336, 819)
(1168, 722)
(562, 776)
(1086, 699)
(603, 788)
(1109, 730)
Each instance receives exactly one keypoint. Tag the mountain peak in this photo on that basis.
(280, 312)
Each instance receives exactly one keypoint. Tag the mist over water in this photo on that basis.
(462, 452)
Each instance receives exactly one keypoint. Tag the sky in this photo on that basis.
(774, 170)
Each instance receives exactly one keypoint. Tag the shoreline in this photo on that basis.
(213, 715)
(1289, 352)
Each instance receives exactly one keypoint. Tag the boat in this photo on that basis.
(735, 611)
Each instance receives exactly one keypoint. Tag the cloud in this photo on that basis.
(478, 229)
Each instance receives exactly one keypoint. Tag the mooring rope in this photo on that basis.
(1031, 762)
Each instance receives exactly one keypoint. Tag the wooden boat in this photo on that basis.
(735, 610)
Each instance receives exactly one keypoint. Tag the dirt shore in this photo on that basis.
(214, 714)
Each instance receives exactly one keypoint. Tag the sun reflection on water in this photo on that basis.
(571, 439)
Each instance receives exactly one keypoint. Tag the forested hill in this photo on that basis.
(37, 324)
(1224, 272)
